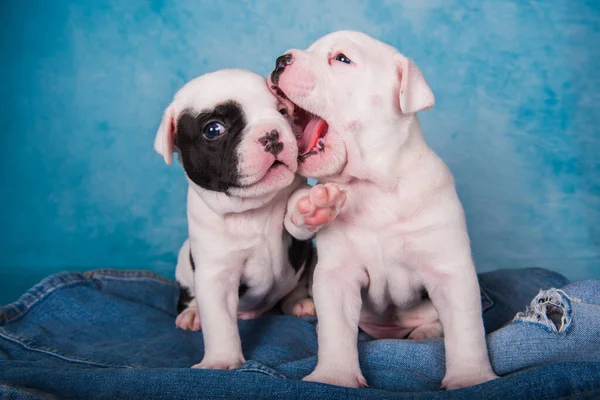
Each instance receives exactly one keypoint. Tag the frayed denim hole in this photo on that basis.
(550, 308)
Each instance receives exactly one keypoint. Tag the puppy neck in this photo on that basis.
(387, 158)
(222, 204)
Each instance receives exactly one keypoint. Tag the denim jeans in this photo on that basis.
(111, 334)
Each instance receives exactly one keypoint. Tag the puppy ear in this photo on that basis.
(164, 143)
(415, 94)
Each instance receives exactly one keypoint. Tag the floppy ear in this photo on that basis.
(164, 143)
(415, 94)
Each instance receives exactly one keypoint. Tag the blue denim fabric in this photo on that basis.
(111, 334)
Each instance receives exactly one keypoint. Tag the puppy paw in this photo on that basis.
(352, 380)
(220, 363)
(429, 331)
(304, 308)
(467, 379)
(189, 319)
(319, 208)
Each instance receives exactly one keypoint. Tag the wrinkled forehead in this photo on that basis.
(250, 91)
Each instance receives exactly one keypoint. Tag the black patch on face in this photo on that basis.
(301, 253)
(185, 298)
(192, 261)
(211, 164)
(242, 289)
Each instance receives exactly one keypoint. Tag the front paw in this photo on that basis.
(467, 379)
(319, 208)
(338, 378)
(189, 319)
(304, 308)
(226, 364)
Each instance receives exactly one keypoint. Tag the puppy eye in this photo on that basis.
(213, 130)
(283, 111)
(342, 58)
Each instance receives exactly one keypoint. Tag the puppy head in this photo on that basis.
(230, 134)
(343, 93)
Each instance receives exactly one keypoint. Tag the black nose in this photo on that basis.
(271, 143)
(280, 64)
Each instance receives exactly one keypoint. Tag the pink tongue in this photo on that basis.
(315, 129)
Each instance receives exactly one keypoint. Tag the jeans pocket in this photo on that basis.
(486, 300)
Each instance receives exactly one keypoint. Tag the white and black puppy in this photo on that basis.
(240, 156)
(400, 243)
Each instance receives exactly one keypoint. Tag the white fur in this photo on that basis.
(402, 227)
(240, 237)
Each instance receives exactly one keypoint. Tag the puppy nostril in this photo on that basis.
(276, 148)
(271, 142)
(280, 64)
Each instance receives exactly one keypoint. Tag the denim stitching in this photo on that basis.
(58, 281)
(485, 298)
(48, 285)
(28, 300)
(255, 366)
(52, 352)
(127, 274)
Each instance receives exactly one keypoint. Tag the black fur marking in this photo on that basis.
(301, 253)
(242, 290)
(192, 261)
(211, 164)
(185, 298)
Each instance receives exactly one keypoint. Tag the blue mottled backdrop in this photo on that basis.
(83, 85)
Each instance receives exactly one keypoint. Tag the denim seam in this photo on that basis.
(257, 366)
(52, 352)
(262, 371)
(127, 274)
(25, 303)
(28, 304)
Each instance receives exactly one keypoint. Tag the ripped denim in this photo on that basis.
(111, 334)
(550, 308)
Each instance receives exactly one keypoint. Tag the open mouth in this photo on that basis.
(310, 129)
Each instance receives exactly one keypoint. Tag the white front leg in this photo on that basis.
(217, 298)
(454, 290)
(337, 297)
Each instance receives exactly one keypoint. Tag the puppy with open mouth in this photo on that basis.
(397, 260)
(240, 155)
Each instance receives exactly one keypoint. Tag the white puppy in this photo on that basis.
(401, 240)
(240, 156)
